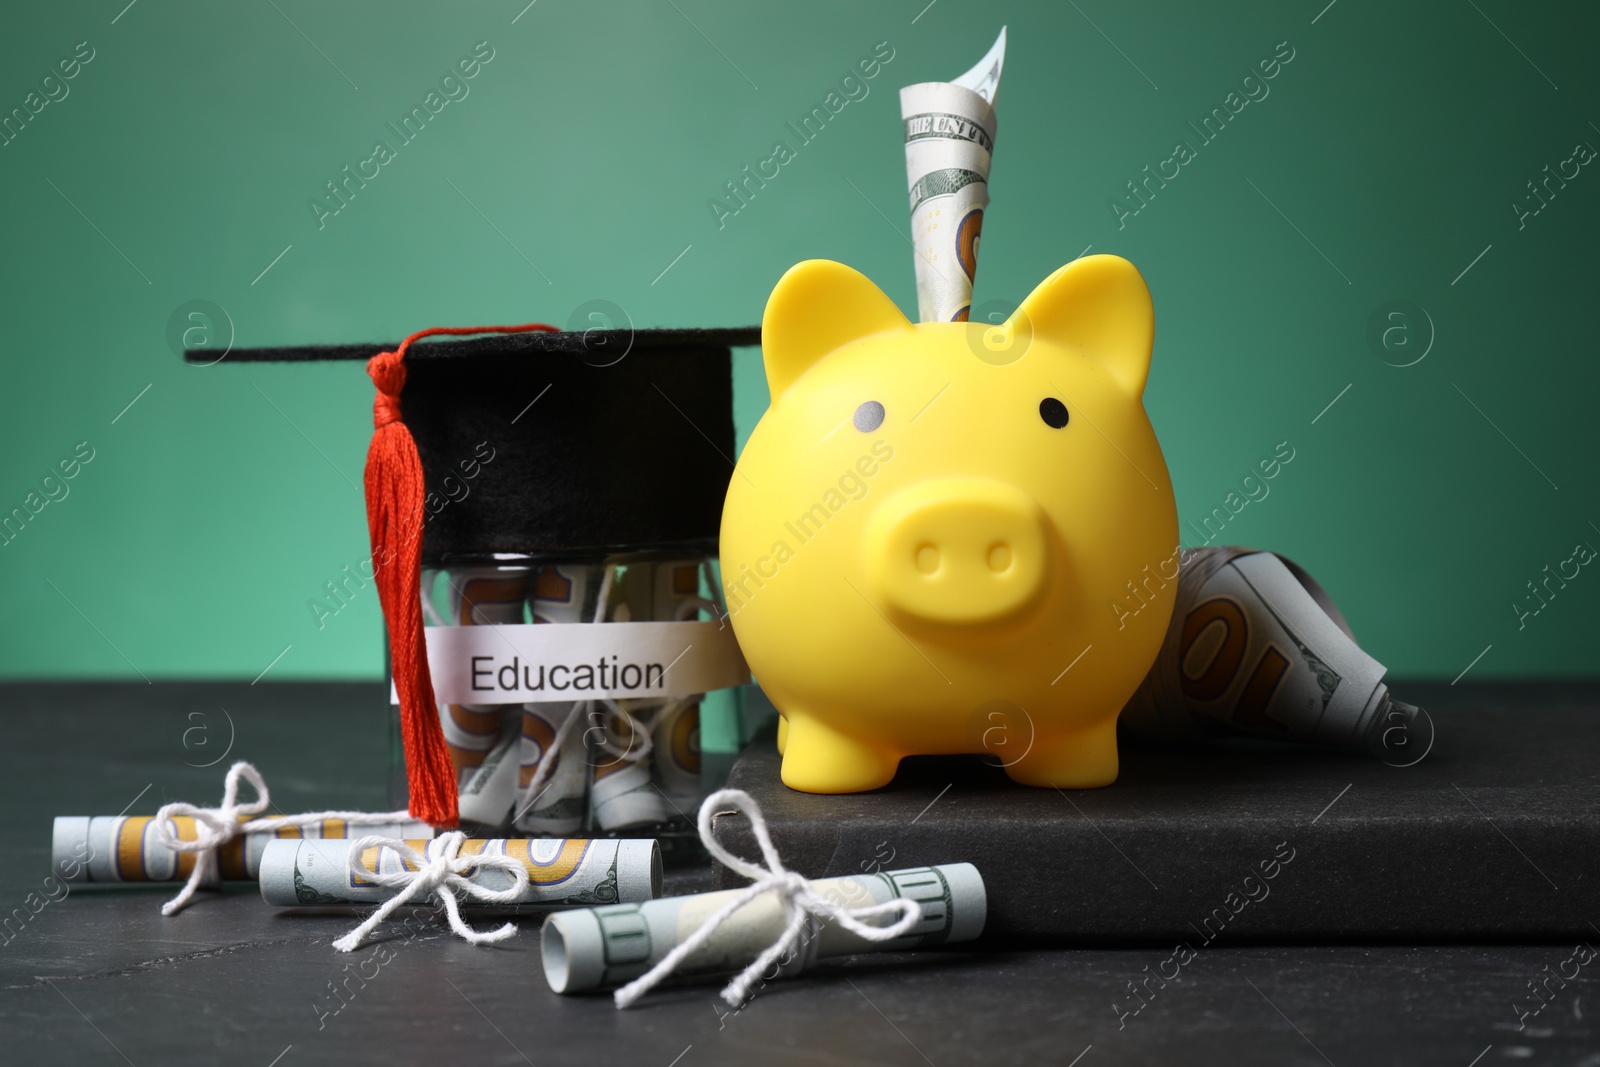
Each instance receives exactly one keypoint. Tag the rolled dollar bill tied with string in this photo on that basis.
(126, 848)
(568, 872)
(483, 739)
(623, 793)
(949, 131)
(1256, 648)
(597, 948)
(620, 732)
(553, 775)
(647, 758)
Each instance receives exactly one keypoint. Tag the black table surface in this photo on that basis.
(100, 976)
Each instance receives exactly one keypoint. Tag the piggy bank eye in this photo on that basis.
(869, 416)
(1052, 411)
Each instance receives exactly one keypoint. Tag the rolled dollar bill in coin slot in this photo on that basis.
(596, 948)
(1256, 648)
(568, 872)
(949, 131)
(126, 848)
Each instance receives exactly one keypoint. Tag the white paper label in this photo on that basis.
(578, 661)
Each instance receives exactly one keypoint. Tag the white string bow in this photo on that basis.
(215, 827)
(444, 875)
(801, 905)
(640, 721)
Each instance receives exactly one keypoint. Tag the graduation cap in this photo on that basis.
(534, 441)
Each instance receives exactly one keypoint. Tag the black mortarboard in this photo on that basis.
(601, 440)
(531, 441)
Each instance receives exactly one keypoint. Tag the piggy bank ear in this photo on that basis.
(1100, 306)
(816, 307)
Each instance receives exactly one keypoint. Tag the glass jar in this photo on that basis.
(598, 733)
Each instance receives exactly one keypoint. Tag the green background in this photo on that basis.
(580, 165)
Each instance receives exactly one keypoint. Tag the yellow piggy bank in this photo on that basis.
(925, 537)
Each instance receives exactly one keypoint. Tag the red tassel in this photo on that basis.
(395, 491)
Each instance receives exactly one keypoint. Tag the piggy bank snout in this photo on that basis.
(957, 551)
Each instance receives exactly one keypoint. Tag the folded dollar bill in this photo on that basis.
(949, 131)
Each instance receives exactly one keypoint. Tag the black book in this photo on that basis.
(1494, 835)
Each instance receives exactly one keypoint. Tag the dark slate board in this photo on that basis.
(1496, 834)
(103, 977)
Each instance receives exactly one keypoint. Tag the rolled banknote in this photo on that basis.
(647, 769)
(553, 778)
(1256, 648)
(624, 792)
(675, 752)
(483, 738)
(594, 948)
(619, 732)
(675, 732)
(551, 805)
(561, 873)
(126, 848)
(950, 130)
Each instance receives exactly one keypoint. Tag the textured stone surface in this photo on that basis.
(101, 977)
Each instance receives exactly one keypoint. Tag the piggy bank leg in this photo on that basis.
(1085, 758)
(819, 759)
(783, 733)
